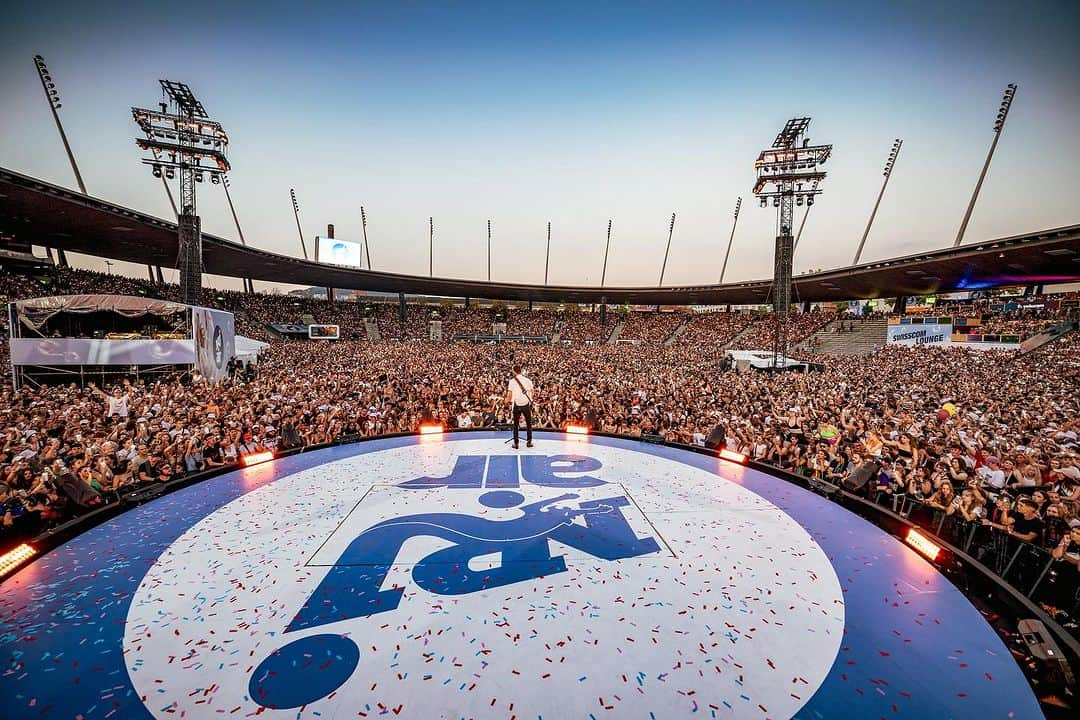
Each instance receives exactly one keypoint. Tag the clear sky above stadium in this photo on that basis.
(568, 112)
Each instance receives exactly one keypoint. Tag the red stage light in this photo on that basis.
(256, 458)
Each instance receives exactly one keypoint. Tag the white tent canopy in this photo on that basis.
(248, 349)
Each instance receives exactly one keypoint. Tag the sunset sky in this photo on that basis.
(572, 113)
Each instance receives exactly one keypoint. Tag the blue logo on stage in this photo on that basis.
(308, 669)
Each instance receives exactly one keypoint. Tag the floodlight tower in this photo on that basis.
(603, 272)
(296, 214)
(363, 224)
(893, 154)
(53, 96)
(999, 125)
(547, 254)
(178, 139)
(789, 173)
(671, 231)
(248, 287)
(738, 207)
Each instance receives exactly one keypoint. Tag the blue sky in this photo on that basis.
(568, 112)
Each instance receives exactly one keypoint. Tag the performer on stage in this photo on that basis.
(519, 392)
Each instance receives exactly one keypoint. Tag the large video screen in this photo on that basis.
(339, 252)
(323, 332)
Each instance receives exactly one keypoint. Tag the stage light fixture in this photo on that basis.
(157, 171)
(923, 544)
(573, 429)
(733, 456)
(256, 458)
(431, 429)
(12, 559)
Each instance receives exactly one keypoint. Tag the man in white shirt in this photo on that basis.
(118, 401)
(992, 475)
(519, 392)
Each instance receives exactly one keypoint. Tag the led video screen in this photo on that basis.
(339, 252)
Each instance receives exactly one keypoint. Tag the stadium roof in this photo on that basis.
(53, 216)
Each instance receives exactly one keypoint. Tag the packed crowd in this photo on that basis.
(1024, 420)
(714, 328)
(983, 443)
(1021, 327)
(580, 326)
(650, 328)
(531, 323)
(800, 326)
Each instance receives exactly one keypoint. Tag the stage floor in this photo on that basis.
(453, 577)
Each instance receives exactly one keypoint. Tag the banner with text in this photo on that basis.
(922, 334)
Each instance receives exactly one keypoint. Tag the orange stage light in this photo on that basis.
(732, 456)
(577, 429)
(11, 559)
(923, 544)
(431, 429)
(256, 458)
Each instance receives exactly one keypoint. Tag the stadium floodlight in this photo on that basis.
(431, 247)
(893, 154)
(663, 267)
(52, 95)
(179, 138)
(224, 179)
(738, 206)
(296, 214)
(489, 251)
(999, 125)
(547, 253)
(363, 224)
(603, 272)
(788, 170)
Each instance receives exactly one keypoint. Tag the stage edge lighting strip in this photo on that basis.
(13, 558)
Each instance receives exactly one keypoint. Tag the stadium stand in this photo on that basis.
(1011, 442)
(583, 327)
(650, 327)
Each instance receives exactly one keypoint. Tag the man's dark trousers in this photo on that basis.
(525, 410)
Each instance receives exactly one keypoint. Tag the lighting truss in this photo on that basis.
(178, 139)
(793, 171)
(790, 174)
(183, 97)
(174, 140)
